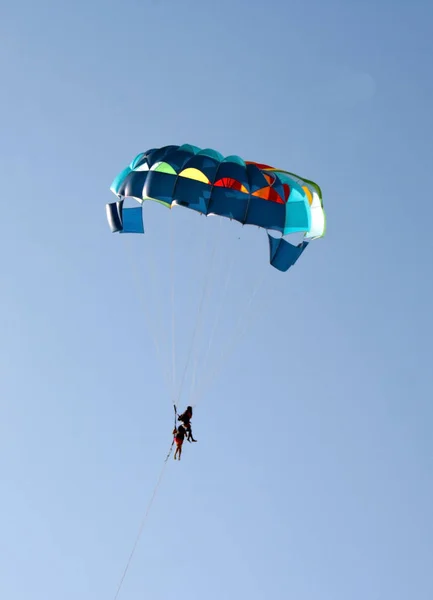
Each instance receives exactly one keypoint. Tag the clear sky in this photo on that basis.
(312, 477)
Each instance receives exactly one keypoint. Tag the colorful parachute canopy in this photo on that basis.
(205, 181)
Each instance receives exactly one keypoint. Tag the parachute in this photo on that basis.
(183, 277)
(248, 192)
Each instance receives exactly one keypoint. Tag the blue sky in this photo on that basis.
(312, 478)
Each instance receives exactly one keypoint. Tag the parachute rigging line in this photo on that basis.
(199, 315)
(173, 314)
(237, 336)
(149, 322)
(221, 305)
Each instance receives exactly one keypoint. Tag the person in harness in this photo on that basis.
(179, 436)
(185, 418)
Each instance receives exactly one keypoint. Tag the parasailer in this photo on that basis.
(179, 436)
(186, 417)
